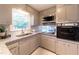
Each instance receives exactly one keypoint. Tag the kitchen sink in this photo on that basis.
(23, 34)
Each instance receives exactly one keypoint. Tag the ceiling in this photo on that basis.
(40, 7)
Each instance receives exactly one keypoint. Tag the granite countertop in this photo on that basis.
(3, 47)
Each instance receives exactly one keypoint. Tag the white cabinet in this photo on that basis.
(66, 48)
(78, 49)
(24, 46)
(71, 13)
(14, 48)
(48, 42)
(60, 14)
(14, 51)
(61, 48)
(72, 49)
(34, 43)
(67, 13)
(28, 45)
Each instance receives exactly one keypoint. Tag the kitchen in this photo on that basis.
(41, 33)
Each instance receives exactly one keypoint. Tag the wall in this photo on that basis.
(35, 13)
(6, 13)
(47, 12)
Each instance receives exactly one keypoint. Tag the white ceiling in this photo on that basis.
(40, 7)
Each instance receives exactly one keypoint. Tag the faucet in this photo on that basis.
(22, 31)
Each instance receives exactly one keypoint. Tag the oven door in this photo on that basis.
(66, 33)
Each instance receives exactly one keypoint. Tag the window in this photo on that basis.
(20, 20)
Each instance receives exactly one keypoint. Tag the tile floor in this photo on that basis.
(42, 51)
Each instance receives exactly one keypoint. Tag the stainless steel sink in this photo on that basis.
(23, 34)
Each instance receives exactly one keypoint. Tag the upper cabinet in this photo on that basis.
(67, 13)
(60, 13)
(71, 13)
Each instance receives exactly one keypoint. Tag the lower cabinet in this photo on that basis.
(78, 49)
(14, 51)
(24, 47)
(34, 43)
(14, 48)
(48, 42)
(28, 45)
(66, 48)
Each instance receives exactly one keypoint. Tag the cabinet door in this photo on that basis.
(28, 45)
(60, 14)
(72, 49)
(71, 13)
(14, 51)
(48, 43)
(34, 43)
(66, 48)
(78, 50)
(61, 48)
(24, 46)
(14, 48)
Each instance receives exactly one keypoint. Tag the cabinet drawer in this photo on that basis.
(48, 42)
(15, 51)
(66, 48)
(12, 46)
(72, 49)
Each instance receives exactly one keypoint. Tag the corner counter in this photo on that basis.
(3, 43)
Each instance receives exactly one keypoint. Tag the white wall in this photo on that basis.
(35, 13)
(6, 13)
